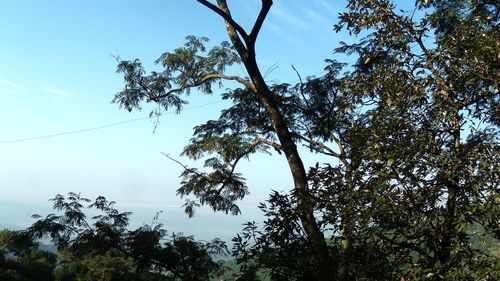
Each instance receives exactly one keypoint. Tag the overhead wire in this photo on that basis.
(273, 67)
(94, 128)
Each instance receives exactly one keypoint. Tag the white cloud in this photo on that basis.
(287, 36)
(10, 84)
(58, 92)
(330, 7)
(286, 16)
(316, 17)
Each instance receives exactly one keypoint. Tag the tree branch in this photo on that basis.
(439, 79)
(342, 155)
(238, 79)
(233, 28)
(319, 147)
(274, 145)
(301, 87)
(250, 149)
(266, 6)
(224, 13)
(205, 79)
(186, 168)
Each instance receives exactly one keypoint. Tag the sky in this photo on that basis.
(57, 74)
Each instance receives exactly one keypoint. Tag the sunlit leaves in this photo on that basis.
(433, 146)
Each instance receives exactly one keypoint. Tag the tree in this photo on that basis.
(434, 141)
(237, 134)
(416, 133)
(412, 129)
(103, 248)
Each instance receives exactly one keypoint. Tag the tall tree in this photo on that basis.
(432, 76)
(240, 131)
(413, 128)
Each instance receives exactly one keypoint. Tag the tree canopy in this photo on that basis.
(410, 190)
(411, 128)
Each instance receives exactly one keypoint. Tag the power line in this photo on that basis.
(94, 128)
(73, 132)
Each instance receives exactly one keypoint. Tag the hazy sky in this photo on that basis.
(57, 74)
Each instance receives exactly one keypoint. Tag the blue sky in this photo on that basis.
(57, 74)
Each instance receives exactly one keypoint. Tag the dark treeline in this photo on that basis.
(412, 130)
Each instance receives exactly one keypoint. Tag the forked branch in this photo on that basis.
(235, 31)
(226, 16)
(233, 28)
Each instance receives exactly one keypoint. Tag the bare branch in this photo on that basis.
(238, 79)
(298, 75)
(271, 69)
(274, 145)
(342, 154)
(266, 6)
(186, 168)
(234, 30)
(301, 86)
(224, 13)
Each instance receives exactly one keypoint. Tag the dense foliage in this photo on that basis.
(414, 128)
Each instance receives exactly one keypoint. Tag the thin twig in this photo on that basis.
(301, 85)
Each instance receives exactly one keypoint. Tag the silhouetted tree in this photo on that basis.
(101, 247)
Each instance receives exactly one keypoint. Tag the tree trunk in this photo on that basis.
(305, 204)
(347, 227)
(245, 46)
(452, 188)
